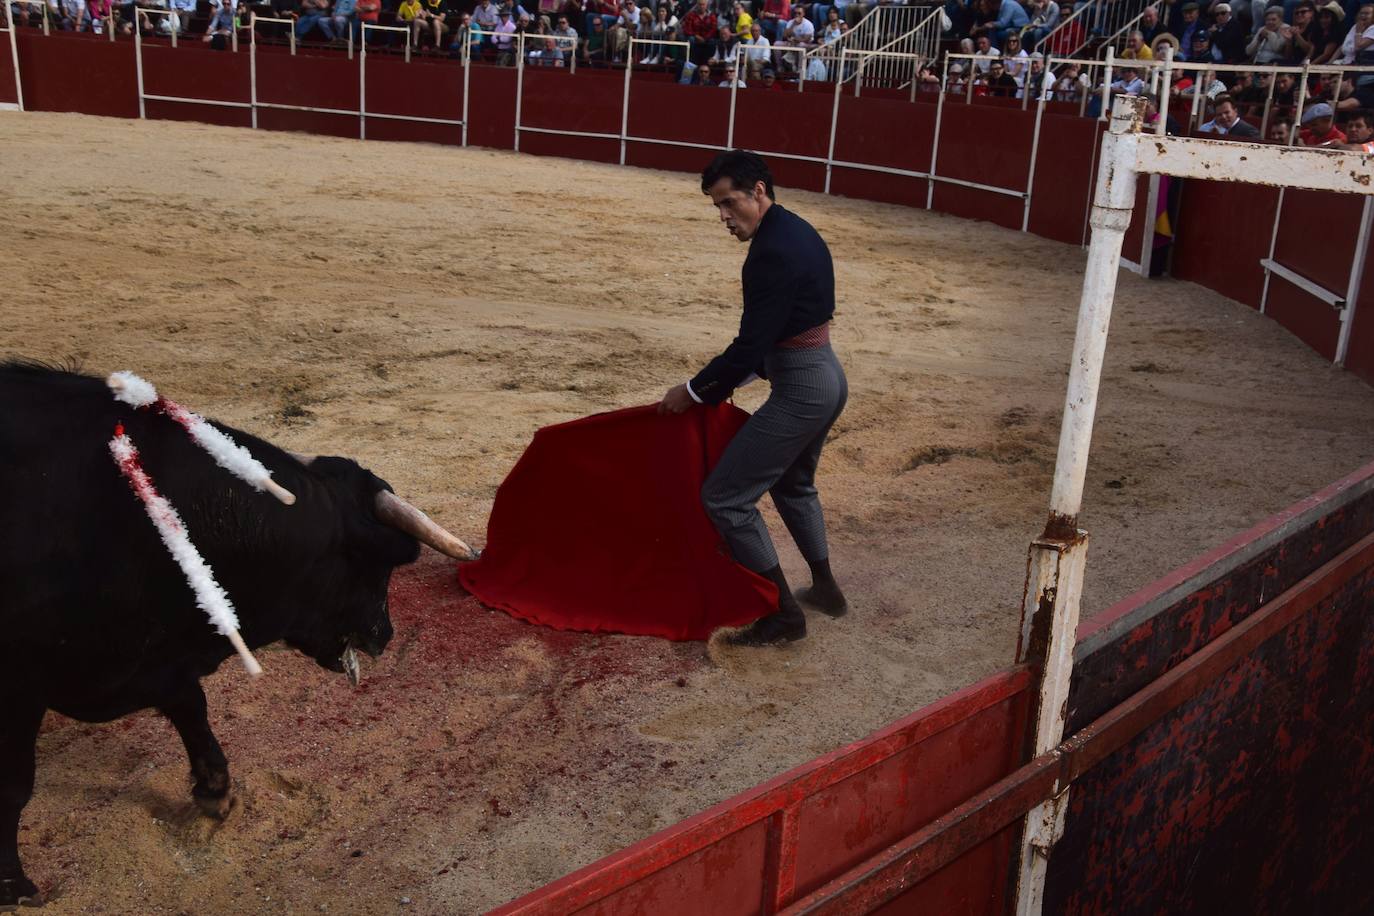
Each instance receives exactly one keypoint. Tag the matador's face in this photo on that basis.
(740, 211)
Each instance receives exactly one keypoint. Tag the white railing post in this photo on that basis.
(834, 124)
(1352, 288)
(467, 72)
(138, 61)
(253, 67)
(935, 140)
(734, 91)
(1054, 581)
(625, 101)
(520, 81)
(1035, 144)
(14, 58)
(362, 84)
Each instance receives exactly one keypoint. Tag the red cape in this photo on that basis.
(599, 527)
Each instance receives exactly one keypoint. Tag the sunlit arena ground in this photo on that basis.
(425, 310)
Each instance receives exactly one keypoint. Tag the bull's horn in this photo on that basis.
(401, 515)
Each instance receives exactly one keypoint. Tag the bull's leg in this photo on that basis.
(18, 734)
(185, 707)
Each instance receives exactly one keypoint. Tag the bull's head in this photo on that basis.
(380, 531)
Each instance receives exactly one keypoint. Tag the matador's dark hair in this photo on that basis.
(742, 167)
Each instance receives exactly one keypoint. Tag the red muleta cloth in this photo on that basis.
(599, 527)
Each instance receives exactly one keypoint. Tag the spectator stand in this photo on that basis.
(518, 39)
(896, 64)
(885, 27)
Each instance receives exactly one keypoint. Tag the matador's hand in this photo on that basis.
(677, 400)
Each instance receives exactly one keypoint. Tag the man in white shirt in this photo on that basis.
(800, 33)
(760, 52)
(986, 52)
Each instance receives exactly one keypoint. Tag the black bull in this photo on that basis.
(97, 620)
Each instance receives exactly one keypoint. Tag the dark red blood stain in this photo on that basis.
(496, 808)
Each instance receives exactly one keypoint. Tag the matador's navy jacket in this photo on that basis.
(789, 287)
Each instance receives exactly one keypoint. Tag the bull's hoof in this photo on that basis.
(218, 808)
(17, 892)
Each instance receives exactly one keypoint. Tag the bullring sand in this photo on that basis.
(425, 310)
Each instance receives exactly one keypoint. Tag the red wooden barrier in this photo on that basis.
(761, 849)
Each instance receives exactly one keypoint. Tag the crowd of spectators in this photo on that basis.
(1009, 42)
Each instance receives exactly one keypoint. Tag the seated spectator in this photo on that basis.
(799, 33)
(773, 17)
(1071, 36)
(1362, 86)
(1129, 82)
(1280, 129)
(769, 79)
(431, 21)
(986, 51)
(705, 75)
(854, 11)
(1285, 90)
(486, 16)
(1136, 48)
(1359, 133)
(546, 53)
(725, 44)
(315, 14)
(1011, 17)
(1319, 127)
(1044, 17)
(464, 37)
(567, 36)
(1152, 117)
(1226, 122)
(730, 77)
(1189, 25)
(1015, 58)
(743, 21)
(1160, 42)
(1071, 85)
(1039, 82)
(759, 52)
(1228, 36)
(834, 27)
(182, 11)
(1150, 29)
(406, 11)
(595, 50)
(608, 11)
(1274, 42)
(219, 32)
(958, 83)
(1304, 19)
(98, 12)
(1326, 33)
(344, 17)
(999, 82)
(1203, 50)
(367, 13)
(699, 27)
(71, 16)
(503, 41)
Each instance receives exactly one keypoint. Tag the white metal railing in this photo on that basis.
(899, 66)
(14, 57)
(1118, 39)
(882, 26)
(1091, 24)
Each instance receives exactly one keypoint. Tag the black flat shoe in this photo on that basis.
(829, 600)
(769, 631)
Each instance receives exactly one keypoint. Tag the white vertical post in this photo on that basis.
(408, 34)
(47, 28)
(349, 26)
(138, 62)
(734, 91)
(1352, 289)
(14, 57)
(520, 81)
(935, 140)
(1273, 243)
(1107, 84)
(291, 31)
(1147, 237)
(834, 124)
(253, 67)
(362, 85)
(1297, 115)
(1035, 150)
(625, 102)
(1054, 581)
(467, 71)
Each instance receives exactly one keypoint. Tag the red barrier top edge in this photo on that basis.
(1129, 611)
(626, 867)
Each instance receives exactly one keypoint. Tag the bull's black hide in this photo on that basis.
(97, 619)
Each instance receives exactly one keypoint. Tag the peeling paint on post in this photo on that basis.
(1054, 575)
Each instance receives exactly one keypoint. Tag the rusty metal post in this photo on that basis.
(1054, 579)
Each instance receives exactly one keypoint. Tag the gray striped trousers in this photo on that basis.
(777, 452)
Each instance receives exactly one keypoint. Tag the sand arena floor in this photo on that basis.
(425, 310)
